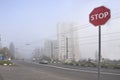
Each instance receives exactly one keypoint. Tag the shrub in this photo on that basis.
(5, 62)
(116, 66)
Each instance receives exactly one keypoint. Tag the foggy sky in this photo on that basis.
(33, 21)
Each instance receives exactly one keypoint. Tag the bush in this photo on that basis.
(5, 62)
(104, 65)
(83, 65)
(88, 64)
(110, 66)
(70, 62)
(116, 66)
(76, 63)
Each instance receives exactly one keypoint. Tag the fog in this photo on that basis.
(29, 23)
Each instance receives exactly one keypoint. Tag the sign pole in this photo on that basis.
(99, 55)
(99, 16)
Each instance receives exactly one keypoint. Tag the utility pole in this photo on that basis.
(51, 51)
(66, 47)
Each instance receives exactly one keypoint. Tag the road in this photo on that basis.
(32, 71)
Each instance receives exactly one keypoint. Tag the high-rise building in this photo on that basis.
(68, 42)
(51, 49)
(47, 48)
(55, 49)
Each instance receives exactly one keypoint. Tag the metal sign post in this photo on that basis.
(99, 16)
(99, 55)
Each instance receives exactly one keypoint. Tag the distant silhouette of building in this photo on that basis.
(51, 49)
(0, 42)
(68, 43)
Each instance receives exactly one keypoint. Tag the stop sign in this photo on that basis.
(99, 16)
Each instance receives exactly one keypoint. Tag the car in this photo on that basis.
(33, 59)
(9, 59)
(43, 62)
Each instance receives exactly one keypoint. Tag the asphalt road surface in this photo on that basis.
(33, 71)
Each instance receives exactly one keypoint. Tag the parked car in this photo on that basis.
(43, 62)
(33, 59)
(9, 59)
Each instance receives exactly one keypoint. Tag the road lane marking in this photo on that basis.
(107, 73)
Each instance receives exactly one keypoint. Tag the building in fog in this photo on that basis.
(0, 43)
(47, 48)
(68, 43)
(55, 49)
(51, 49)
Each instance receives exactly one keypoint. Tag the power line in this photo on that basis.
(96, 36)
(76, 28)
(85, 26)
(103, 35)
(102, 41)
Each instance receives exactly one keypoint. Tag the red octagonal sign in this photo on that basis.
(99, 16)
